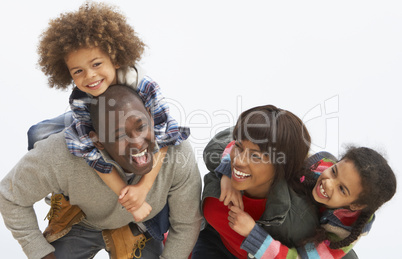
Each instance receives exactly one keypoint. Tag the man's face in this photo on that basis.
(128, 137)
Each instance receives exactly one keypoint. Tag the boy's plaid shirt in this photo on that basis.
(167, 131)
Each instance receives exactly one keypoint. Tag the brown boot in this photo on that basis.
(62, 216)
(122, 244)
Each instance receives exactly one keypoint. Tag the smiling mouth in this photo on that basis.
(239, 174)
(95, 84)
(322, 191)
(141, 158)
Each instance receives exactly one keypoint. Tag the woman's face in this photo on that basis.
(338, 186)
(252, 171)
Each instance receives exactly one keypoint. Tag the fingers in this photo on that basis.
(142, 212)
(241, 204)
(130, 203)
(233, 200)
(234, 210)
(144, 207)
(227, 201)
(123, 192)
(231, 219)
(223, 195)
(231, 225)
(234, 197)
(139, 216)
(130, 200)
(238, 200)
(132, 208)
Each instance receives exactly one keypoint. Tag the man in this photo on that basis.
(123, 129)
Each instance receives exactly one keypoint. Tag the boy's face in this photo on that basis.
(92, 70)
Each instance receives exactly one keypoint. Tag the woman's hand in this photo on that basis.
(240, 221)
(229, 194)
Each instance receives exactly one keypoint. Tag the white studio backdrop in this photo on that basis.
(337, 65)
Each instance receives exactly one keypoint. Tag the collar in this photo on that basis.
(278, 204)
(130, 75)
(108, 159)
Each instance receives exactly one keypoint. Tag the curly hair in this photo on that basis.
(93, 25)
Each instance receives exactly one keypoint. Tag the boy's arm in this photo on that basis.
(133, 196)
(261, 245)
(148, 179)
(113, 180)
(117, 185)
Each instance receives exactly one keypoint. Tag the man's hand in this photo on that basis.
(49, 256)
(240, 221)
(229, 194)
(142, 212)
(132, 197)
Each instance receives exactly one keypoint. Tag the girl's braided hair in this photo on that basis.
(93, 25)
(379, 186)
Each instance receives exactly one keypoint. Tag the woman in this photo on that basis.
(271, 147)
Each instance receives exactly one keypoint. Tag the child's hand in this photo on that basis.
(229, 194)
(142, 212)
(240, 221)
(132, 197)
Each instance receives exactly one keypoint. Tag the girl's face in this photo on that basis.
(92, 70)
(338, 186)
(252, 171)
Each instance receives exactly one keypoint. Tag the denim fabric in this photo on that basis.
(46, 128)
(209, 245)
(159, 225)
(82, 242)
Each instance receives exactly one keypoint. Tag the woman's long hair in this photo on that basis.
(279, 133)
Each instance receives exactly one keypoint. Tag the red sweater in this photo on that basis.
(216, 213)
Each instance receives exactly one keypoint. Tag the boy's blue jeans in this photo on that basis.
(82, 242)
(46, 128)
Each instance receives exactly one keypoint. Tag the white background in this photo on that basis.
(335, 64)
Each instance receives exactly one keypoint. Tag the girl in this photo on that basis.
(94, 48)
(347, 194)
